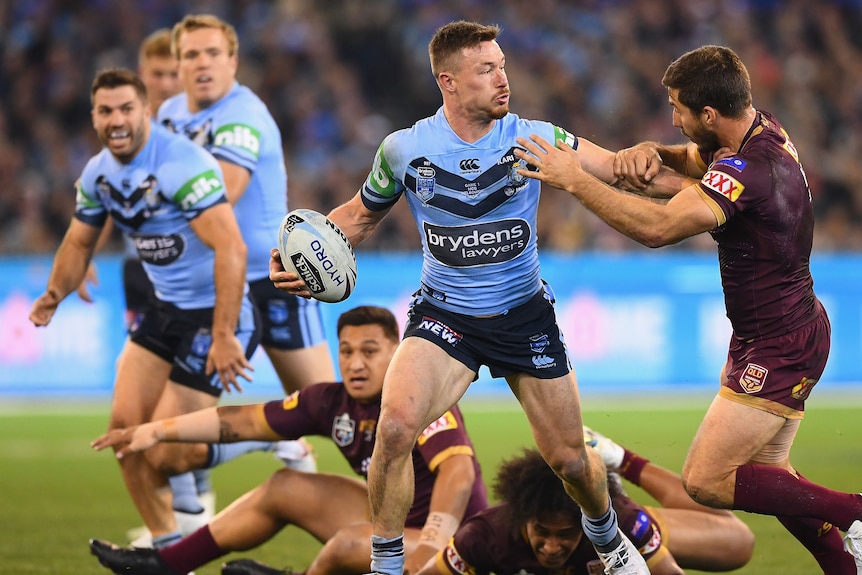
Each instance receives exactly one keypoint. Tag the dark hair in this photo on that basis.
(367, 315)
(450, 39)
(532, 490)
(711, 76)
(116, 78)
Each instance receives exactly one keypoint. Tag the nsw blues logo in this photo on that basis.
(538, 343)
(425, 183)
(343, 430)
(201, 343)
(277, 312)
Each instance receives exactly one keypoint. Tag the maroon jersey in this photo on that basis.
(327, 409)
(485, 544)
(761, 200)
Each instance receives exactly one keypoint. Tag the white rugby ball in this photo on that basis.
(319, 252)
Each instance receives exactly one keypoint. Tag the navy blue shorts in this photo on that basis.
(138, 291)
(182, 337)
(526, 339)
(287, 321)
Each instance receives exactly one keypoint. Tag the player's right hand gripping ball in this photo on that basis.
(319, 252)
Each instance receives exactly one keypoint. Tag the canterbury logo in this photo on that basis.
(469, 164)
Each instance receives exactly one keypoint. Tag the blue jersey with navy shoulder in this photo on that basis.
(239, 129)
(152, 199)
(476, 215)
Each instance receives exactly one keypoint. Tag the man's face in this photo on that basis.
(481, 82)
(691, 124)
(364, 353)
(207, 69)
(161, 77)
(121, 121)
(553, 539)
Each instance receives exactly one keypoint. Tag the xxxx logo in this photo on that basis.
(724, 184)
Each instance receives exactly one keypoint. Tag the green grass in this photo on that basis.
(55, 492)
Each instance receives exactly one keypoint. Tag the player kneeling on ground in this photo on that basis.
(537, 527)
(448, 482)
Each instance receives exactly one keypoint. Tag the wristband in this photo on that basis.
(438, 529)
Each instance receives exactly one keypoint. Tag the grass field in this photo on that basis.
(55, 492)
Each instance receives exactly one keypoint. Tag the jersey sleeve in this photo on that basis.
(642, 530)
(731, 185)
(290, 417)
(237, 135)
(442, 439)
(470, 551)
(192, 179)
(383, 187)
(88, 205)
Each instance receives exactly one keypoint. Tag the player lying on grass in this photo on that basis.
(448, 483)
(537, 528)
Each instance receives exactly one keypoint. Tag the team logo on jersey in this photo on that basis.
(425, 182)
(753, 378)
(200, 135)
(477, 244)
(723, 183)
(443, 423)
(343, 430)
(734, 163)
(152, 197)
(517, 181)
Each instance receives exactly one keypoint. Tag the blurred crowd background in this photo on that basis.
(338, 75)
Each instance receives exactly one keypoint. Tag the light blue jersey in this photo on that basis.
(152, 199)
(476, 215)
(239, 129)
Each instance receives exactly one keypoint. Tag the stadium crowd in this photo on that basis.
(339, 75)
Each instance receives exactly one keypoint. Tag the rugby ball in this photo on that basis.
(318, 252)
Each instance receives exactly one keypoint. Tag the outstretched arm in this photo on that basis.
(452, 488)
(226, 424)
(650, 223)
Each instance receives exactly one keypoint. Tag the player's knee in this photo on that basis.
(344, 549)
(743, 549)
(396, 432)
(570, 465)
(701, 488)
(168, 460)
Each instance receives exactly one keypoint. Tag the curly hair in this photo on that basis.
(532, 491)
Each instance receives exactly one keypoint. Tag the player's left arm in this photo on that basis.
(217, 228)
(453, 486)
